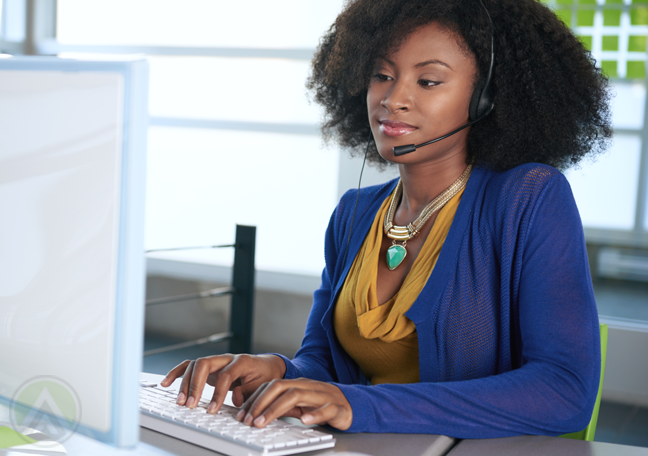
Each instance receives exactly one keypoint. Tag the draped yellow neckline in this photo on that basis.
(388, 322)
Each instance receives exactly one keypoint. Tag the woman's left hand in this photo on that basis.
(310, 401)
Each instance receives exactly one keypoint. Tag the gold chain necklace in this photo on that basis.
(396, 252)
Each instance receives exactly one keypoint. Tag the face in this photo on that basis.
(420, 92)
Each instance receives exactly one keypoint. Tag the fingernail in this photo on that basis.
(307, 419)
(190, 401)
(211, 408)
(239, 415)
(248, 419)
(260, 420)
(181, 399)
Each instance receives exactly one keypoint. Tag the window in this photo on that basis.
(1, 19)
(233, 138)
(614, 30)
(12, 25)
(615, 205)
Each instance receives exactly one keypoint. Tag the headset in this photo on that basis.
(481, 101)
(481, 104)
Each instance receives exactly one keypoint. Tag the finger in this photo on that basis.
(229, 371)
(174, 373)
(275, 388)
(285, 403)
(201, 370)
(184, 386)
(296, 412)
(266, 393)
(336, 414)
(251, 400)
(246, 391)
(238, 396)
(322, 415)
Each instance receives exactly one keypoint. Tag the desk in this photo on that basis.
(538, 445)
(370, 444)
(155, 444)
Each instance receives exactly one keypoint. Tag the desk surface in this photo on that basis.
(369, 444)
(539, 445)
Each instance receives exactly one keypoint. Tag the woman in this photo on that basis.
(478, 321)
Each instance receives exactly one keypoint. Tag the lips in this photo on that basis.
(393, 128)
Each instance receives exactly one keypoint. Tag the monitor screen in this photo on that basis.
(72, 153)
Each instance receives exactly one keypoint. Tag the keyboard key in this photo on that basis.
(278, 435)
(297, 437)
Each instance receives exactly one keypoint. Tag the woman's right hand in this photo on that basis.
(242, 374)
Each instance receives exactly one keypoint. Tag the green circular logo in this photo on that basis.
(47, 404)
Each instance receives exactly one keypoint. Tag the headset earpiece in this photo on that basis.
(481, 102)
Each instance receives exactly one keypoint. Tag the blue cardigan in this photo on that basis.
(507, 324)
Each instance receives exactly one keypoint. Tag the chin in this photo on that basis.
(387, 153)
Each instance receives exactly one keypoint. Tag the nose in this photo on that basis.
(397, 98)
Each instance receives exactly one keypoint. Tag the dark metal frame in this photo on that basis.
(242, 292)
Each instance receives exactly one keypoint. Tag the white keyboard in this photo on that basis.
(221, 431)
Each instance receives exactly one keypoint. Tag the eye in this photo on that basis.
(382, 77)
(427, 83)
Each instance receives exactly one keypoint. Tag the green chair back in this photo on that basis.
(588, 432)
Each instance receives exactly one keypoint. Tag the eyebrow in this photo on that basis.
(432, 62)
(422, 64)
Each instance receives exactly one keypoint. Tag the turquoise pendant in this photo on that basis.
(395, 256)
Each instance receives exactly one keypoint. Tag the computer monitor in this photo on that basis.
(72, 271)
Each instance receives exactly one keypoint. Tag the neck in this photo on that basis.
(425, 181)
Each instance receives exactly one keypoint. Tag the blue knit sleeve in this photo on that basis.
(553, 390)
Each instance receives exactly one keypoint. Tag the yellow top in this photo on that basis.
(380, 338)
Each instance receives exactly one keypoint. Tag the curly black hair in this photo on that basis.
(551, 101)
